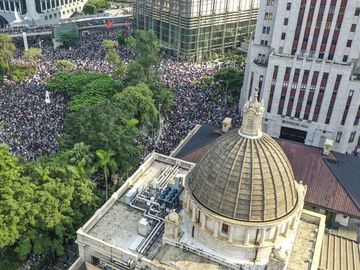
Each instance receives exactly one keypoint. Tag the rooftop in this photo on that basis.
(308, 165)
(339, 253)
(116, 226)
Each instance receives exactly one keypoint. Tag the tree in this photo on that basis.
(100, 4)
(109, 44)
(104, 126)
(94, 92)
(7, 50)
(114, 58)
(65, 65)
(32, 54)
(15, 198)
(135, 73)
(107, 164)
(147, 45)
(121, 37)
(89, 9)
(69, 39)
(233, 77)
(63, 199)
(137, 101)
(161, 94)
(80, 155)
(72, 82)
(20, 72)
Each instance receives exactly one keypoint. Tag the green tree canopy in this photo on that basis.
(72, 82)
(109, 44)
(138, 102)
(69, 39)
(135, 73)
(104, 126)
(42, 203)
(7, 50)
(100, 4)
(233, 77)
(107, 164)
(161, 94)
(65, 65)
(94, 92)
(15, 198)
(147, 45)
(89, 9)
(32, 54)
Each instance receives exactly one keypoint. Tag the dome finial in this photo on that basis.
(252, 118)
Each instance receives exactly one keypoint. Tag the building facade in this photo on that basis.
(197, 27)
(37, 12)
(240, 207)
(304, 59)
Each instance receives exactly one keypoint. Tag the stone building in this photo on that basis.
(197, 28)
(37, 12)
(305, 60)
(240, 207)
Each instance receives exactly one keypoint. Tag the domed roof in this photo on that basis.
(246, 175)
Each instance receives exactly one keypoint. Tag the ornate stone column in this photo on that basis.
(262, 236)
(276, 235)
(216, 229)
(247, 237)
(202, 220)
(286, 232)
(193, 214)
(231, 234)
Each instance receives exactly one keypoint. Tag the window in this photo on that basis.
(288, 6)
(348, 43)
(283, 35)
(225, 228)
(357, 11)
(352, 136)
(353, 28)
(270, 2)
(268, 16)
(311, 54)
(356, 122)
(338, 137)
(321, 55)
(302, 52)
(331, 56)
(281, 50)
(264, 30)
(286, 21)
(345, 58)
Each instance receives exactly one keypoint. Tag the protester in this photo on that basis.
(32, 128)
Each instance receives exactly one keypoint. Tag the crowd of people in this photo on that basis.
(194, 103)
(32, 127)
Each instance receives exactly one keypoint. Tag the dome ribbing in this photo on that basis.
(245, 179)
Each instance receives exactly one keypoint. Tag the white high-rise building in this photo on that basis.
(304, 59)
(37, 12)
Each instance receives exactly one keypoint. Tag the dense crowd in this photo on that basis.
(194, 104)
(31, 127)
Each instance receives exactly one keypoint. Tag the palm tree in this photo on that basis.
(107, 164)
(81, 155)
